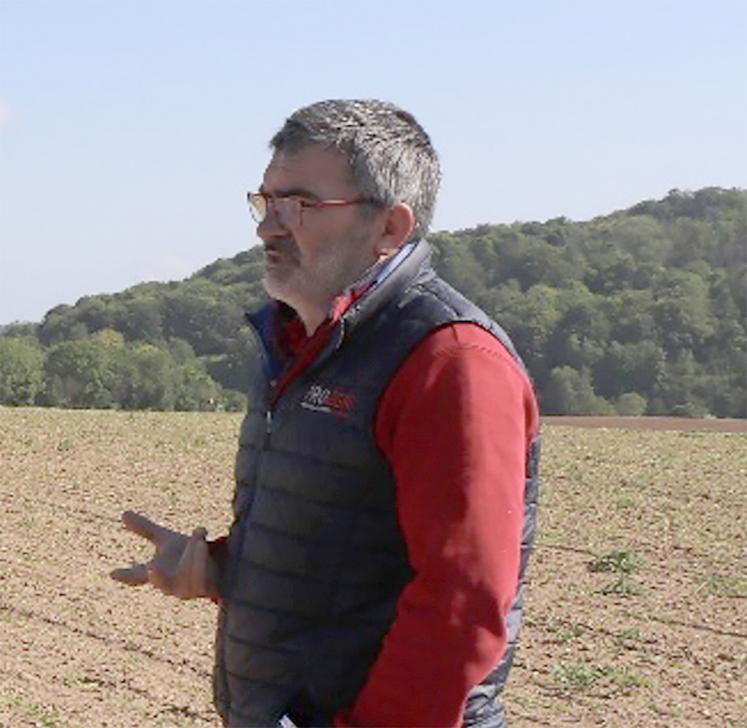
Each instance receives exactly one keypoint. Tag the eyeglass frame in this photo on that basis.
(300, 203)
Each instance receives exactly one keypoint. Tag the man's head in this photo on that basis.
(348, 183)
(389, 154)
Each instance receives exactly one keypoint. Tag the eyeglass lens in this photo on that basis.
(287, 209)
(257, 206)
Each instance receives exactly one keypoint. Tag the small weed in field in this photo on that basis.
(576, 676)
(630, 634)
(65, 445)
(563, 631)
(623, 563)
(624, 585)
(618, 562)
(725, 586)
(582, 677)
(47, 720)
(570, 633)
(669, 710)
(550, 536)
(41, 716)
(189, 440)
(624, 502)
(624, 678)
(10, 699)
(629, 481)
(73, 679)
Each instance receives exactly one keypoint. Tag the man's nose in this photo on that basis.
(271, 227)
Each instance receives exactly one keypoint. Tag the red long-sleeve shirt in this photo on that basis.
(454, 423)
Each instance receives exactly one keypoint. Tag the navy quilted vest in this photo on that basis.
(316, 558)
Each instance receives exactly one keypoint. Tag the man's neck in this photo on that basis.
(312, 317)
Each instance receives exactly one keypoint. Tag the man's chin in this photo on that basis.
(280, 290)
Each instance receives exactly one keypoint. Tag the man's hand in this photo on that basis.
(181, 565)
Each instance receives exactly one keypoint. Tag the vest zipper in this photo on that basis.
(268, 426)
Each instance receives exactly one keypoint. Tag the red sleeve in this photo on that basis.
(455, 423)
(218, 551)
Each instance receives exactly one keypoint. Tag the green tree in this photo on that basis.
(633, 367)
(195, 390)
(681, 312)
(581, 332)
(631, 318)
(459, 266)
(21, 370)
(542, 263)
(202, 314)
(61, 324)
(78, 374)
(684, 389)
(142, 319)
(232, 369)
(181, 350)
(145, 377)
(650, 301)
(530, 322)
(631, 404)
(570, 392)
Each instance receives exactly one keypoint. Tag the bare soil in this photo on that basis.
(651, 423)
(636, 604)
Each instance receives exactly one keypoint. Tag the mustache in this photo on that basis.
(281, 245)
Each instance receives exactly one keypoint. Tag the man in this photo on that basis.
(386, 478)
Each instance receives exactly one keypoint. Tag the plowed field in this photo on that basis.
(636, 606)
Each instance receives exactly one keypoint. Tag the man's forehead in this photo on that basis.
(311, 165)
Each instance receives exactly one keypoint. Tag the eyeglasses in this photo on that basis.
(290, 209)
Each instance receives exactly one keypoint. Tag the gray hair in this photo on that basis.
(390, 156)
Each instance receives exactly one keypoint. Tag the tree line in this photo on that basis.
(643, 311)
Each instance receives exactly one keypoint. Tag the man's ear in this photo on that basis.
(398, 226)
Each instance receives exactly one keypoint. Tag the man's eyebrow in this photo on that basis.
(291, 192)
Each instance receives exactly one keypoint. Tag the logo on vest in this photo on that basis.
(331, 401)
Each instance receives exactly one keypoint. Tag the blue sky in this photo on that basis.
(130, 131)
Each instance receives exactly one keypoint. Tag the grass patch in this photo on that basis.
(623, 563)
(570, 633)
(40, 716)
(10, 698)
(582, 677)
(618, 562)
(578, 677)
(721, 585)
(624, 586)
(65, 445)
(624, 502)
(630, 634)
(565, 631)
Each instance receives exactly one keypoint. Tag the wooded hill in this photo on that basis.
(643, 311)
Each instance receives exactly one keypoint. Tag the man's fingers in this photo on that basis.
(142, 526)
(161, 580)
(189, 581)
(136, 575)
(180, 565)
